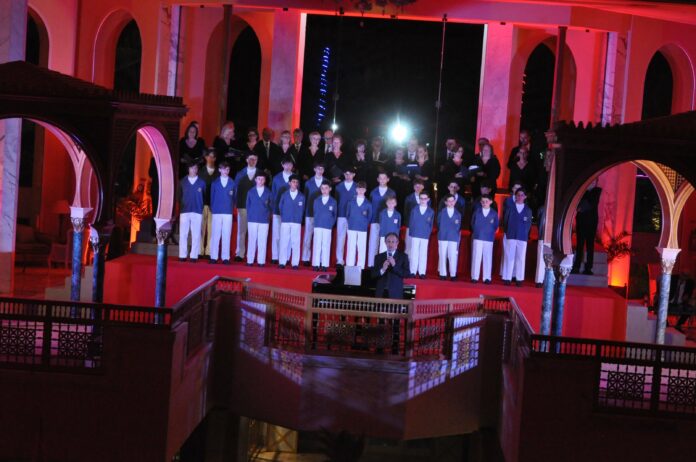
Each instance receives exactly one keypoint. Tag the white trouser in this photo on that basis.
(373, 244)
(418, 256)
(190, 221)
(341, 232)
(449, 253)
(481, 250)
(206, 230)
(289, 242)
(541, 266)
(258, 238)
(322, 247)
(307, 240)
(275, 236)
(357, 242)
(222, 228)
(241, 232)
(503, 260)
(515, 252)
(382, 244)
(407, 242)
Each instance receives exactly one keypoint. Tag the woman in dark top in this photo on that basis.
(424, 171)
(523, 171)
(309, 155)
(226, 149)
(191, 148)
(362, 166)
(486, 167)
(454, 169)
(252, 139)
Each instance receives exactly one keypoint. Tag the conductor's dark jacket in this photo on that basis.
(393, 278)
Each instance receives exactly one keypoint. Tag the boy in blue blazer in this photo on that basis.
(278, 187)
(325, 213)
(359, 216)
(292, 206)
(389, 222)
(222, 199)
(449, 224)
(484, 224)
(411, 201)
(420, 225)
(259, 207)
(345, 192)
(311, 192)
(518, 223)
(191, 194)
(378, 198)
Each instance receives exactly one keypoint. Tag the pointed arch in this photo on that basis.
(104, 50)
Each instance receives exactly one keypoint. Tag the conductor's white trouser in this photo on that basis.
(515, 252)
(341, 231)
(481, 250)
(357, 243)
(258, 239)
(241, 232)
(307, 241)
(373, 244)
(222, 228)
(449, 253)
(289, 243)
(275, 236)
(190, 221)
(418, 256)
(322, 247)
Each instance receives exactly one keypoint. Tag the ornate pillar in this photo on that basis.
(13, 31)
(562, 271)
(667, 259)
(547, 300)
(78, 217)
(164, 229)
(98, 242)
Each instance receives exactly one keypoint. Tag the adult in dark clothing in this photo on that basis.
(525, 141)
(586, 227)
(486, 167)
(524, 171)
(191, 149)
(361, 163)
(424, 170)
(680, 297)
(268, 152)
(390, 269)
(227, 148)
(252, 140)
(453, 170)
(310, 156)
(336, 162)
(296, 147)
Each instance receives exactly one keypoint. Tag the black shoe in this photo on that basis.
(305, 263)
(315, 268)
(422, 276)
(518, 283)
(453, 278)
(339, 265)
(274, 262)
(182, 259)
(514, 279)
(225, 262)
(194, 260)
(474, 281)
(487, 282)
(261, 265)
(575, 271)
(295, 267)
(506, 283)
(281, 266)
(538, 285)
(443, 278)
(411, 275)
(238, 258)
(212, 262)
(250, 264)
(588, 272)
(323, 268)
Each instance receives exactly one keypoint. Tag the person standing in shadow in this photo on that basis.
(586, 227)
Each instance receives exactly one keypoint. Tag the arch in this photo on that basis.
(244, 88)
(658, 88)
(44, 42)
(104, 57)
(683, 86)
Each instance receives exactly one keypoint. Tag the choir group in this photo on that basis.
(300, 192)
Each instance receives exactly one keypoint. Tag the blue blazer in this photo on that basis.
(448, 228)
(518, 224)
(484, 228)
(343, 196)
(311, 192)
(410, 202)
(191, 195)
(325, 214)
(278, 187)
(389, 225)
(421, 225)
(222, 198)
(258, 207)
(379, 202)
(359, 216)
(292, 210)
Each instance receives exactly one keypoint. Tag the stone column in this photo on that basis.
(547, 300)
(562, 271)
(164, 229)
(13, 31)
(78, 217)
(98, 242)
(667, 259)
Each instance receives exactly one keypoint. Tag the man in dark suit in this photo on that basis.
(390, 269)
(269, 153)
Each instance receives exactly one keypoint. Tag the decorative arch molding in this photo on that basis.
(104, 49)
(683, 77)
(44, 37)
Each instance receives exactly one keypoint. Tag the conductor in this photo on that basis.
(389, 270)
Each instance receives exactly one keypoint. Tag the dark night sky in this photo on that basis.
(390, 66)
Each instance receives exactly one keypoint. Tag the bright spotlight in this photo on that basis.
(334, 126)
(399, 132)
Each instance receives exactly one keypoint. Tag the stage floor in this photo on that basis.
(589, 312)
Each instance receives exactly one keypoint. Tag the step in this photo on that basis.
(63, 292)
(149, 248)
(596, 280)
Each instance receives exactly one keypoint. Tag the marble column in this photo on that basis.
(547, 300)
(98, 242)
(164, 229)
(562, 271)
(76, 279)
(13, 31)
(667, 259)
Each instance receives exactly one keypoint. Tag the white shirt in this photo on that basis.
(324, 199)
(286, 176)
(450, 211)
(224, 180)
(348, 185)
(485, 211)
(519, 207)
(251, 172)
(382, 190)
(293, 194)
(390, 213)
(318, 181)
(192, 180)
(260, 190)
(360, 200)
(423, 208)
(211, 170)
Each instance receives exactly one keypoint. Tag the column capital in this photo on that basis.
(562, 272)
(164, 229)
(97, 240)
(668, 256)
(548, 257)
(78, 224)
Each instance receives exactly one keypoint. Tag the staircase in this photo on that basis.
(600, 269)
(63, 292)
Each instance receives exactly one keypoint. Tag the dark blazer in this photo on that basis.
(393, 278)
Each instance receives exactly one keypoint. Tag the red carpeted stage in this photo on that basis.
(589, 312)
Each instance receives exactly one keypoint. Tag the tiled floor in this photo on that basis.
(31, 282)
